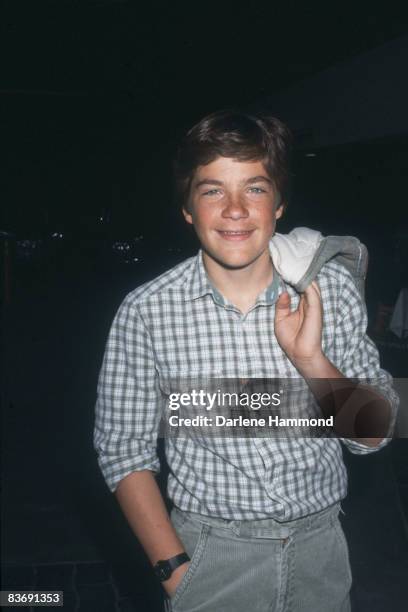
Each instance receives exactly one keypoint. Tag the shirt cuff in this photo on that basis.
(116, 470)
(362, 449)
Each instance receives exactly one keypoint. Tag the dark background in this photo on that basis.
(94, 95)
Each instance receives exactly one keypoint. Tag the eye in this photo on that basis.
(211, 192)
(257, 190)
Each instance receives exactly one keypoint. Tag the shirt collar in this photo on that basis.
(198, 284)
(272, 291)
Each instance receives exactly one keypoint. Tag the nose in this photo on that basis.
(235, 208)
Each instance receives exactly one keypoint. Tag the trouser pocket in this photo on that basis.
(227, 573)
(194, 536)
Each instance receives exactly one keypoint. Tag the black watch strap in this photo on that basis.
(164, 568)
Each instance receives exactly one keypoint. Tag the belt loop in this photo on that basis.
(237, 527)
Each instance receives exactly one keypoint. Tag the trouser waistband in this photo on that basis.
(264, 528)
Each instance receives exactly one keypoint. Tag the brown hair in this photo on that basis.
(238, 135)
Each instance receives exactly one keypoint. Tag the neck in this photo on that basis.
(241, 286)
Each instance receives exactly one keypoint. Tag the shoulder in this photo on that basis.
(335, 278)
(341, 297)
(170, 283)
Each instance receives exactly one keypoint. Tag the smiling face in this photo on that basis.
(233, 209)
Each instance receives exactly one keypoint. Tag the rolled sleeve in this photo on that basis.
(129, 402)
(361, 360)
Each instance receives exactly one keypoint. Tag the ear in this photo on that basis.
(187, 216)
(279, 211)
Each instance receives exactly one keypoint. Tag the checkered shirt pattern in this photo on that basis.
(178, 325)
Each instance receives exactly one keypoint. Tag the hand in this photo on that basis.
(299, 333)
(172, 583)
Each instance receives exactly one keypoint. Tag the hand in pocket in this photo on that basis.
(172, 583)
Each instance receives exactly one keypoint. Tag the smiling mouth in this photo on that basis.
(235, 234)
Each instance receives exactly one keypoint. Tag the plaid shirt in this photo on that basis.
(178, 325)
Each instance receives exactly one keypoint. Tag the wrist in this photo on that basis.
(316, 366)
(172, 583)
(168, 571)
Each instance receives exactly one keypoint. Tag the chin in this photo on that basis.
(234, 263)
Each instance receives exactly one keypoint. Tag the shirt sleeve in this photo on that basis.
(128, 407)
(360, 357)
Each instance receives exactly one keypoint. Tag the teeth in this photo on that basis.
(243, 232)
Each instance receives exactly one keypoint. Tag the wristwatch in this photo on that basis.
(164, 569)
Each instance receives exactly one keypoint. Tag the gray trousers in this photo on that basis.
(263, 565)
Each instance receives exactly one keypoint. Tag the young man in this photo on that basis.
(255, 520)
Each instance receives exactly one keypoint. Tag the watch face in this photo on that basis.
(163, 570)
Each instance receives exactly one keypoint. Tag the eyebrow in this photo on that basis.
(257, 179)
(208, 182)
(250, 181)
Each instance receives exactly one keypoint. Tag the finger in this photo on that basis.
(312, 295)
(315, 284)
(302, 304)
(282, 308)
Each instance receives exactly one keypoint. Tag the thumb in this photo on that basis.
(282, 308)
